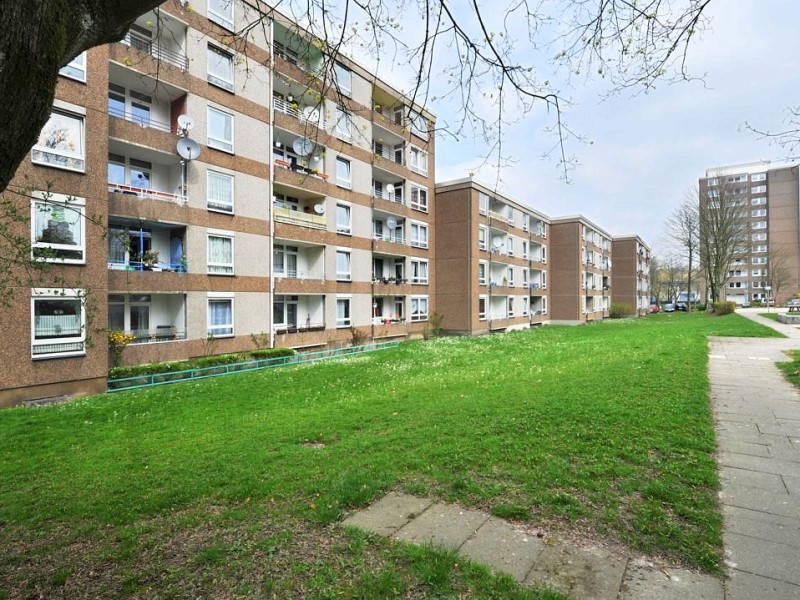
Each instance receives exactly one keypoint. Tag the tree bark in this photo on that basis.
(37, 38)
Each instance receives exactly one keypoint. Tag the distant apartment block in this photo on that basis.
(491, 260)
(581, 270)
(630, 280)
(769, 199)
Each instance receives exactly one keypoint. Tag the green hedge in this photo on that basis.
(197, 363)
(620, 310)
(724, 308)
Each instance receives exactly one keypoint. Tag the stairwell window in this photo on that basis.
(220, 130)
(419, 161)
(221, 13)
(220, 68)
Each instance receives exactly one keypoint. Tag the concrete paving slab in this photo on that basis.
(442, 525)
(645, 583)
(757, 463)
(503, 548)
(792, 484)
(579, 572)
(757, 524)
(763, 557)
(746, 586)
(784, 505)
(389, 513)
(748, 448)
(780, 428)
(752, 479)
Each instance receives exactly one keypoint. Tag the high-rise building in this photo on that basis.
(193, 188)
(630, 279)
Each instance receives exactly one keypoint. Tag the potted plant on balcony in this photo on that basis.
(150, 260)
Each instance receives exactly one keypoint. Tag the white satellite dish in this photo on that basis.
(390, 188)
(319, 208)
(185, 122)
(497, 242)
(303, 146)
(391, 222)
(188, 148)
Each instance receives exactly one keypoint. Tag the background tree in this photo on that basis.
(778, 273)
(657, 286)
(683, 229)
(724, 233)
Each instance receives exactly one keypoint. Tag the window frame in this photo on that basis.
(339, 70)
(341, 228)
(218, 143)
(216, 205)
(417, 156)
(77, 341)
(419, 204)
(347, 318)
(61, 159)
(414, 241)
(210, 266)
(223, 20)
(416, 266)
(348, 256)
(210, 328)
(76, 68)
(342, 183)
(344, 133)
(69, 203)
(421, 316)
(216, 79)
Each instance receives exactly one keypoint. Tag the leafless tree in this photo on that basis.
(724, 233)
(683, 228)
(788, 136)
(657, 285)
(779, 274)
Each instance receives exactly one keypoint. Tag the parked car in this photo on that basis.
(682, 306)
(655, 308)
(668, 307)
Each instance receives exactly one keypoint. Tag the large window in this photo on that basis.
(58, 323)
(220, 255)
(419, 271)
(220, 68)
(419, 235)
(220, 130)
(284, 310)
(221, 12)
(344, 79)
(343, 312)
(285, 260)
(419, 308)
(219, 196)
(61, 143)
(419, 160)
(220, 317)
(419, 198)
(76, 69)
(343, 173)
(344, 223)
(343, 272)
(483, 203)
(344, 125)
(58, 228)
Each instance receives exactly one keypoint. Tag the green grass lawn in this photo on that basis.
(237, 483)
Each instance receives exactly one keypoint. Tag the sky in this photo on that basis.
(644, 153)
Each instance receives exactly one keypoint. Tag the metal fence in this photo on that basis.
(143, 381)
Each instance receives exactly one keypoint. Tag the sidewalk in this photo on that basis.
(758, 424)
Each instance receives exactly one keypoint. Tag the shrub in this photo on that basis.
(272, 352)
(724, 308)
(620, 310)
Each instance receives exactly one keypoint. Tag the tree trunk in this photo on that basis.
(37, 38)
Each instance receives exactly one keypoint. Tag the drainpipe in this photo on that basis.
(270, 186)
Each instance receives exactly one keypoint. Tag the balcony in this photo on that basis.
(311, 115)
(150, 318)
(147, 194)
(162, 333)
(165, 44)
(302, 219)
(146, 246)
(392, 192)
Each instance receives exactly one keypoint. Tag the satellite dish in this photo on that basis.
(303, 146)
(390, 188)
(185, 122)
(188, 148)
(497, 241)
(391, 222)
(319, 208)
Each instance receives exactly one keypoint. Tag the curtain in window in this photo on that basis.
(343, 265)
(343, 171)
(220, 188)
(342, 218)
(220, 317)
(220, 254)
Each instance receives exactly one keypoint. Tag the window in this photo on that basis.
(220, 68)
(419, 198)
(58, 323)
(343, 266)
(544, 279)
(526, 219)
(220, 317)
(219, 194)
(544, 254)
(419, 124)
(419, 235)
(524, 248)
(759, 237)
(544, 305)
(343, 219)
(284, 311)
(759, 260)
(58, 228)
(760, 248)
(419, 271)
(344, 125)
(511, 276)
(758, 189)
(343, 173)
(220, 255)
(511, 307)
(483, 203)
(759, 225)
(482, 308)
(525, 301)
(759, 212)
(343, 312)
(419, 308)
(221, 12)
(419, 161)
(61, 143)
(285, 260)
(525, 278)
(758, 201)
(481, 273)
(510, 246)
(344, 79)
(220, 130)
(481, 238)
(758, 177)
(76, 68)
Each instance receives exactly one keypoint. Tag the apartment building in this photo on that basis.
(630, 279)
(769, 200)
(491, 260)
(580, 272)
(206, 189)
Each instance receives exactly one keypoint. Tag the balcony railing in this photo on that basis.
(298, 328)
(136, 265)
(146, 193)
(291, 274)
(389, 237)
(294, 217)
(162, 333)
(140, 119)
(313, 116)
(387, 152)
(156, 50)
(383, 194)
(285, 164)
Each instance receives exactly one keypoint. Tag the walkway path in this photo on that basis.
(758, 424)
